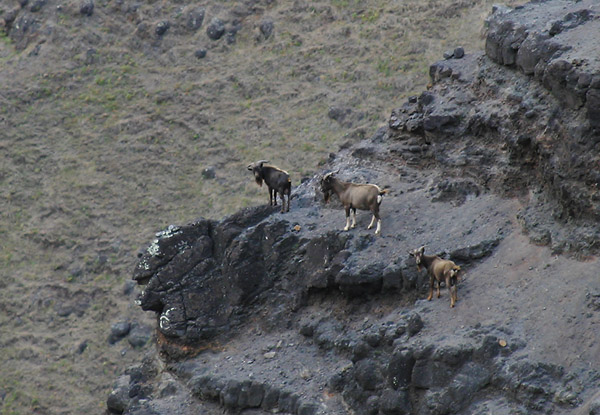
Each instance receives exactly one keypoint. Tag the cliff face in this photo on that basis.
(492, 167)
(527, 128)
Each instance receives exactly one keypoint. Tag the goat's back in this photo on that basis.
(276, 177)
(363, 196)
(440, 266)
(271, 166)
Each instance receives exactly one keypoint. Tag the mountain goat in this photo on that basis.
(277, 180)
(354, 196)
(439, 270)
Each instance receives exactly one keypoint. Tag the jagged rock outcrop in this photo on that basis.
(285, 312)
(531, 130)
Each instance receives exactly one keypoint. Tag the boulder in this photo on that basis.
(215, 29)
(86, 7)
(266, 27)
(194, 18)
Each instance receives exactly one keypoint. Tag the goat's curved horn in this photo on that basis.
(262, 161)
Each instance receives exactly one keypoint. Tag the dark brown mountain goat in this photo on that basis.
(354, 196)
(277, 180)
(440, 270)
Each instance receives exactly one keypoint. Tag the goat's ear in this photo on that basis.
(411, 253)
(250, 166)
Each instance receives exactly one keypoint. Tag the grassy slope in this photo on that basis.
(96, 157)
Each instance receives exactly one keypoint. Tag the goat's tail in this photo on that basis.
(381, 194)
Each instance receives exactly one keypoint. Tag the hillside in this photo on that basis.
(109, 121)
(266, 312)
(116, 114)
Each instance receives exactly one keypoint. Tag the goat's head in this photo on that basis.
(327, 185)
(418, 254)
(454, 273)
(256, 168)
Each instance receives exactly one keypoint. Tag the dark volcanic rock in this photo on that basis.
(139, 335)
(24, 29)
(118, 400)
(215, 29)
(162, 27)
(37, 5)
(394, 402)
(87, 7)
(400, 369)
(118, 331)
(200, 53)
(266, 28)
(195, 17)
(368, 375)
(518, 37)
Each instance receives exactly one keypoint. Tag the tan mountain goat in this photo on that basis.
(354, 196)
(439, 270)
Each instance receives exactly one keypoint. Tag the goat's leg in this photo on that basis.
(353, 218)
(450, 290)
(347, 218)
(289, 193)
(430, 288)
(376, 216)
(439, 283)
(282, 194)
(372, 223)
(454, 289)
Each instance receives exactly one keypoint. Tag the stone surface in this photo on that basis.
(215, 29)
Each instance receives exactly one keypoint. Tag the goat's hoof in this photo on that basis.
(345, 229)
(369, 227)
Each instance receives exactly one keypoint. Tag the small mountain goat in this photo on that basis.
(439, 270)
(354, 196)
(277, 180)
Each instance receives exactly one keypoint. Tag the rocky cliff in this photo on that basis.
(494, 167)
